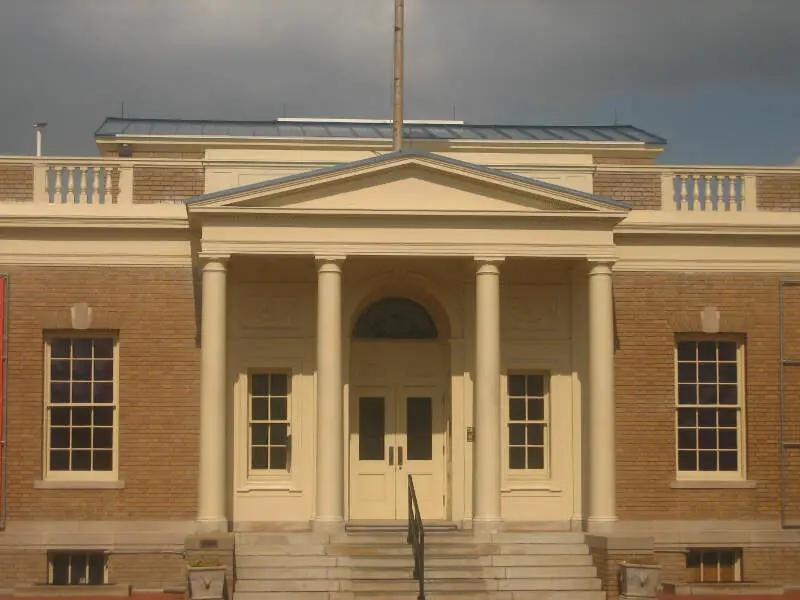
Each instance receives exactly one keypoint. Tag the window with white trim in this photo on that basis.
(269, 431)
(714, 565)
(81, 406)
(709, 408)
(527, 420)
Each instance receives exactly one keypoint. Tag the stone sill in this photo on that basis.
(47, 484)
(717, 589)
(689, 484)
(71, 591)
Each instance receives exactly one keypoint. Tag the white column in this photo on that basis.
(213, 487)
(486, 449)
(602, 474)
(330, 405)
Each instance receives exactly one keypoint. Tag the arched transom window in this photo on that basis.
(395, 319)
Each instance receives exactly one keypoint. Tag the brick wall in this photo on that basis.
(650, 310)
(771, 565)
(16, 183)
(17, 567)
(642, 190)
(778, 192)
(148, 571)
(160, 184)
(154, 311)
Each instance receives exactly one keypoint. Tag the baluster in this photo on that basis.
(721, 204)
(708, 200)
(738, 194)
(58, 185)
(683, 191)
(107, 193)
(92, 190)
(50, 191)
(83, 180)
(696, 193)
(70, 185)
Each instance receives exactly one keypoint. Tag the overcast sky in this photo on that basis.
(720, 79)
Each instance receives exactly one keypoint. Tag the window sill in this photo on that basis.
(687, 484)
(49, 484)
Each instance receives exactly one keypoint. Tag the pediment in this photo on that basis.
(403, 183)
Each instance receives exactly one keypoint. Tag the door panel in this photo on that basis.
(422, 438)
(372, 444)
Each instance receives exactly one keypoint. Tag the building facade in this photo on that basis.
(251, 327)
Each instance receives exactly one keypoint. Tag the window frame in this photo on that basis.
(737, 563)
(269, 475)
(79, 476)
(51, 556)
(714, 476)
(522, 475)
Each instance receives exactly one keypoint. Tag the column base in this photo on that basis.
(601, 525)
(488, 525)
(329, 526)
(219, 525)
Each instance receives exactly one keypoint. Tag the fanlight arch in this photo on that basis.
(395, 318)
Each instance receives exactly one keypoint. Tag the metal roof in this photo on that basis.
(393, 155)
(364, 129)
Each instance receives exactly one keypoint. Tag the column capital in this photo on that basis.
(489, 264)
(214, 262)
(601, 266)
(329, 263)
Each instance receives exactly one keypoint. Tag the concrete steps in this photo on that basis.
(364, 565)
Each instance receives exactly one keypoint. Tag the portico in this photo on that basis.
(479, 251)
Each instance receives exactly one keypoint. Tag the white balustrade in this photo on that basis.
(81, 182)
(701, 191)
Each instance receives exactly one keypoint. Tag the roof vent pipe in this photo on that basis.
(38, 126)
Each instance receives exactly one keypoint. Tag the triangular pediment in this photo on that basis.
(406, 182)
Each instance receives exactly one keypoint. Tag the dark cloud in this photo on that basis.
(693, 71)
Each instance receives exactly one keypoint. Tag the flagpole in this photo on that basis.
(397, 136)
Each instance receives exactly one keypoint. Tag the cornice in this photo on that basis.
(86, 222)
(676, 265)
(599, 252)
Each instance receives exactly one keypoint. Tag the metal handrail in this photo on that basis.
(416, 537)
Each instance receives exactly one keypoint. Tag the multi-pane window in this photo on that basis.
(709, 406)
(77, 568)
(527, 421)
(270, 441)
(714, 566)
(81, 404)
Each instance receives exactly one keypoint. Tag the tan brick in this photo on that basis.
(651, 308)
(642, 190)
(778, 192)
(166, 184)
(153, 310)
(16, 183)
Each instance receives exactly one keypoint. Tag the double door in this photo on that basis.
(395, 432)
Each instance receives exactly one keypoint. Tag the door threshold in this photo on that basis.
(359, 526)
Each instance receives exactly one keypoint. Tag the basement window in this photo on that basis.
(77, 568)
(714, 565)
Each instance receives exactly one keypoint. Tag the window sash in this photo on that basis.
(269, 426)
(714, 566)
(527, 436)
(97, 422)
(709, 417)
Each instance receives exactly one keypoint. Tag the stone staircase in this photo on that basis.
(369, 565)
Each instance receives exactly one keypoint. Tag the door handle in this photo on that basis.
(400, 456)
(391, 456)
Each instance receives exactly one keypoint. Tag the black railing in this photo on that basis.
(416, 537)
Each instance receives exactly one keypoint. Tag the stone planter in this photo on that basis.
(638, 580)
(206, 583)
